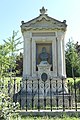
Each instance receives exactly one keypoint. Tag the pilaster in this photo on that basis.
(26, 58)
(33, 58)
(60, 58)
(54, 57)
(64, 65)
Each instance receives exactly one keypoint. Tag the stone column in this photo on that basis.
(60, 58)
(61, 54)
(33, 58)
(26, 57)
(64, 66)
(54, 57)
(57, 56)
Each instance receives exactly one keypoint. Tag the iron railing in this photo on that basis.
(35, 101)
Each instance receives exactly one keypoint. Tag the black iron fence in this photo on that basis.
(47, 99)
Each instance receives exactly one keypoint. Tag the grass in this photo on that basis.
(49, 118)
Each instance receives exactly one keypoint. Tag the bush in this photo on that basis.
(7, 107)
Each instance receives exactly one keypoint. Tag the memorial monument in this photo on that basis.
(44, 55)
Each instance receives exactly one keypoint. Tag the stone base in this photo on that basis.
(57, 100)
(56, 83)
(49, 87)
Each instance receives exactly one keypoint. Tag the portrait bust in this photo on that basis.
(44, 55)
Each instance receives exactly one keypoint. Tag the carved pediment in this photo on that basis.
(43, 21)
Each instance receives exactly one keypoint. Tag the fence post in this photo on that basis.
(38, 97)
(14, 87)
(57, 94)
(50, 95)
(17, 87)
(20, 94)
(26, 94)
(79, 95)
(9, 86)
(69, 95)
(44, 96)
(63, 94)
(32, 96)
(75, 94)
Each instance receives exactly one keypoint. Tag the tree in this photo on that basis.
(4, 60)
(72, 60)
(19, 64)
(12, 44)
(8, 54)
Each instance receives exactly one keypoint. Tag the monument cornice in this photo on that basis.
(44, 29)
(45, 22)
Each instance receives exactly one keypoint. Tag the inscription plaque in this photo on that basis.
(44, 77)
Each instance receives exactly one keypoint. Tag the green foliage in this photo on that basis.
(4, 60)
(72, 60)
(19, 62)
(8, 54)
(7, 107)
(72, 85)
(12, 45)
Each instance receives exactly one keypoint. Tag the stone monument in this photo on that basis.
(44, 55)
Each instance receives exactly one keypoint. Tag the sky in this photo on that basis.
(12, 12)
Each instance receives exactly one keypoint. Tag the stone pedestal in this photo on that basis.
(44, 67)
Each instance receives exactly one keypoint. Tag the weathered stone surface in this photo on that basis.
(43, 30)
